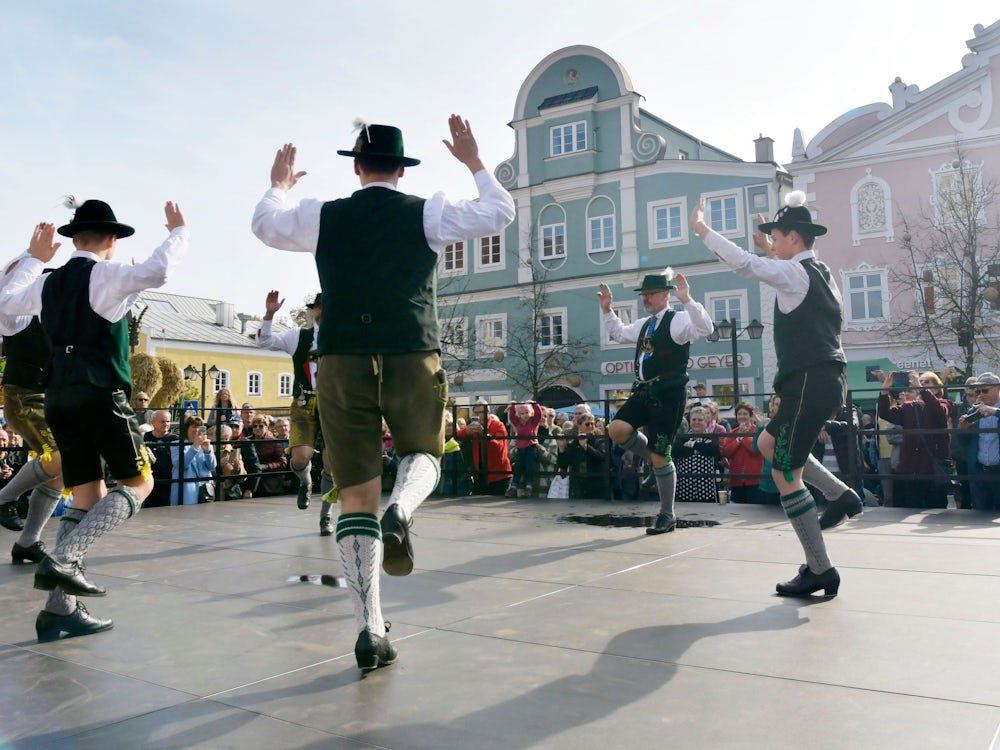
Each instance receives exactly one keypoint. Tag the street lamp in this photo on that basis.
(191, 372)
(729, 329)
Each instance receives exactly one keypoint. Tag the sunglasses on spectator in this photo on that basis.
(981, 391)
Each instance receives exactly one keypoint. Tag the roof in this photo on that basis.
(175, 317)
(572, 96)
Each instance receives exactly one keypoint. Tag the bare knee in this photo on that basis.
(620, 431)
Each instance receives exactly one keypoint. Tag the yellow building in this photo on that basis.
(204, 333)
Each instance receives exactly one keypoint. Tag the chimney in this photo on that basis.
(224, 314)
(764, 149)
(244, 317)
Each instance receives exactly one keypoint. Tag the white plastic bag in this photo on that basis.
(559, 488)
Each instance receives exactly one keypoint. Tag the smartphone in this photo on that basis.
(870, 371)
(474, 420)
(901, 380)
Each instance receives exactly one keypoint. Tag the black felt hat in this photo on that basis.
(656, 282)
(317, 302)
(794, 215)
(95, 216)
(379, 142)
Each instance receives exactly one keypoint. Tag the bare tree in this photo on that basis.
(953, 266)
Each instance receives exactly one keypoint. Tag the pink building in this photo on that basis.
(884, 178)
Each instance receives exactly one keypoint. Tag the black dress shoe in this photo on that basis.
(807, 582)
(373, 651)
(326, 526)
(303, 499)
(397, 555)
(837, 511)
(662, 524)
(34, 553)
(9, 517)
(50, 627)
(68, 577)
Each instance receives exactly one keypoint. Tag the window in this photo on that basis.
(727, 306)
(958, 194)
(284, 385)
(871, 209)
(602, 233)
(221, 381)
(551, 328)
(568, 139)
(554, 241)
(490, 256)
(626, 312)
(682, 155)
(865, 293)
(160, 305)
(867, 296)
(454, 336)
(492, 334)
(723, 211)
(667, 222)
(254, 380)
(453, 259)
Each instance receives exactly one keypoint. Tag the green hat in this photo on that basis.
(379, 142)
(96, 216)
(655, 282)
(317, 302)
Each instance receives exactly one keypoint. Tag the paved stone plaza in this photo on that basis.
(518, 630)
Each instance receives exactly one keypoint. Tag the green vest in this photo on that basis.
(86, 348)
(377, 274)
(27, 355)
(810, 334)
(669, 360)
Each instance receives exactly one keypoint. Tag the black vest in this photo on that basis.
(27, 355)
(668, 362)
(810, 334)
(304, 354)
(374, 261)
(86, 348)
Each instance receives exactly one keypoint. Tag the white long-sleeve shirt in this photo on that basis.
(12, 324)
(114, 286)
(287, 341)
(297, 228)
(689, 324)
(789, 279)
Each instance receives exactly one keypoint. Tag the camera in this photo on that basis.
(972, 415)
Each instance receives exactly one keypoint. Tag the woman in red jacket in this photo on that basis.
(744, 463)
(488, 437)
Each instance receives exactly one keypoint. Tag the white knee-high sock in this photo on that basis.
(822, 479)
(59, 602)
(41, 504)
(360, 539)
(801, 511)
(120, 504)
(30, 476)
(416, 478)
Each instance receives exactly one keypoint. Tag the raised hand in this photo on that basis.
(272, 304)
(41, 246)
(760, 239)
(604, 297)
(463, 145)
(174, 216)
(682, 290)
(283, 174)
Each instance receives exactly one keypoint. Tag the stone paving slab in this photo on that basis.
(518, 629)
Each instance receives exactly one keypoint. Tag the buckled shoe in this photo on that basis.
(69, 577)
(50, 626)
(373, 651)
(32, 553)
(9, 517)
(837, 511)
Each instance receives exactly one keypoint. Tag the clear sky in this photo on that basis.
(138, 103)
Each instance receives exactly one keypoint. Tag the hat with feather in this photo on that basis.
(94, 216)
(383, 142)
(794, 215)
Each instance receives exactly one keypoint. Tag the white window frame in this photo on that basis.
(545, 318)
(575, 130)
(654, 238)
(721, 195)
(448, 346)
(632, 308)
(286, 382)
(221, 381)
(731, 294)
(857, 235)
(495, 344)
(557, 241)
(252, 390)
(602, 218)
(867, 323)
(492, 265)
(460, 252)
(941, 205)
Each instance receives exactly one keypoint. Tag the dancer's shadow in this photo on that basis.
(633, 665)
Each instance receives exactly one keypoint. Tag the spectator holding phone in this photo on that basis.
(199, 462)
(983, 444)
